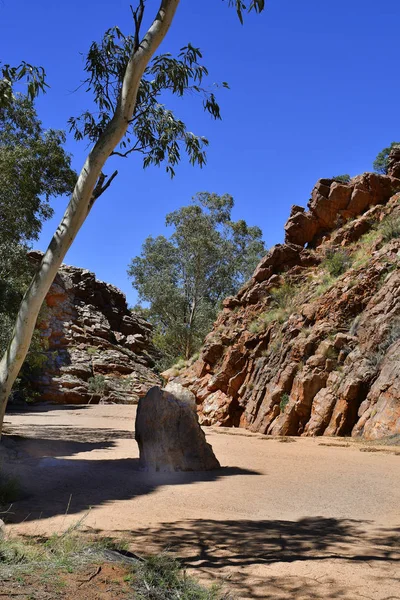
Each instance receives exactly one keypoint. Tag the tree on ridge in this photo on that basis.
(185, 278)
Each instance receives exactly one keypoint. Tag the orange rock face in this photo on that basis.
(96, 349)
(322, 355)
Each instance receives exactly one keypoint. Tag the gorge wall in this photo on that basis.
(311, 344)
(96, 349)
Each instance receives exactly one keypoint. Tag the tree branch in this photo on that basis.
(138, 17)
(101, 187)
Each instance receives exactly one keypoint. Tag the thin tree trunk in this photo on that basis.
(80, 203)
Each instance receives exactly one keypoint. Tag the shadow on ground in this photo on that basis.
(236, 546)
(60, 440)
(51, 482)
(24, 408)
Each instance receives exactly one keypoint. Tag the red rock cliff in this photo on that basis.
(97, 350)
(311, 344)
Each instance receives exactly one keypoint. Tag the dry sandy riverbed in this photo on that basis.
(297, 520)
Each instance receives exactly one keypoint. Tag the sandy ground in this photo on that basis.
(300, 520)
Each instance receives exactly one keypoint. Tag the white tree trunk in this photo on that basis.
(80, 203)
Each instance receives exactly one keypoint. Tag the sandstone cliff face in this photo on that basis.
(97, 350)
(311, 344)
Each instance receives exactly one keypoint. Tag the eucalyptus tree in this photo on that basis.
(34, 167)
(185, 278)
(127, 80)
(32, 78)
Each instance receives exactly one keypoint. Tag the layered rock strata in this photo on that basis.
(96, 349)
(311, 344)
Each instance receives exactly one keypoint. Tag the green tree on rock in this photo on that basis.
(381, 162)
(185, 277)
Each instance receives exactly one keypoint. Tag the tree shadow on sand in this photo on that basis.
(240, 548)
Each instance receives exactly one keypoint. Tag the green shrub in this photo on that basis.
(161, 577)
(342, 178)
(337, 262)
(283, 296)
(381, 162)
(97, 384)
(390, 228)
(284, 402)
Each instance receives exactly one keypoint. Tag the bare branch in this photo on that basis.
(101, 187)
(138, 17)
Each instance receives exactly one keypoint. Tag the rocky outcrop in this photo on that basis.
(96, 349)
(168, 433)
(310, 345)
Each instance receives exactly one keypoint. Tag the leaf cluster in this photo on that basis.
(241, 7)
(34, 78)
(154, 130)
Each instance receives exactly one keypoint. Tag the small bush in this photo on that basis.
(283, 296)
(97, 384)
(342, 178)
(337, 262)
(284, 402)
(162, 578)
(390, 228)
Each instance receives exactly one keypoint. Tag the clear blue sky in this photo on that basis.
(314, 92)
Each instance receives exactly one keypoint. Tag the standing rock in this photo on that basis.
(169, 436)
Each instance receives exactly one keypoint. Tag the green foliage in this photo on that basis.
(342, 178)
(33, 78)
(154, 131)
(381, 162)
(185, 277)
(281, 307)
(97, 384)
(161, 577)
(283, 296)
(33, 168)
(240, 6)
(284, 402)
(337, 262)
(390, 228)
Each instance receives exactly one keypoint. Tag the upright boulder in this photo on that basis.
(168, 433)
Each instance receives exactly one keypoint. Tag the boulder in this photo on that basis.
(168, 433)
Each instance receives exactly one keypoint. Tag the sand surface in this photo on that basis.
(279, 521)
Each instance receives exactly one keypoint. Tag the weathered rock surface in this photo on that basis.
(96, 348)
(168, 433)
(323, 358)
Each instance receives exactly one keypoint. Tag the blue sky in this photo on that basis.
(314, 93)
